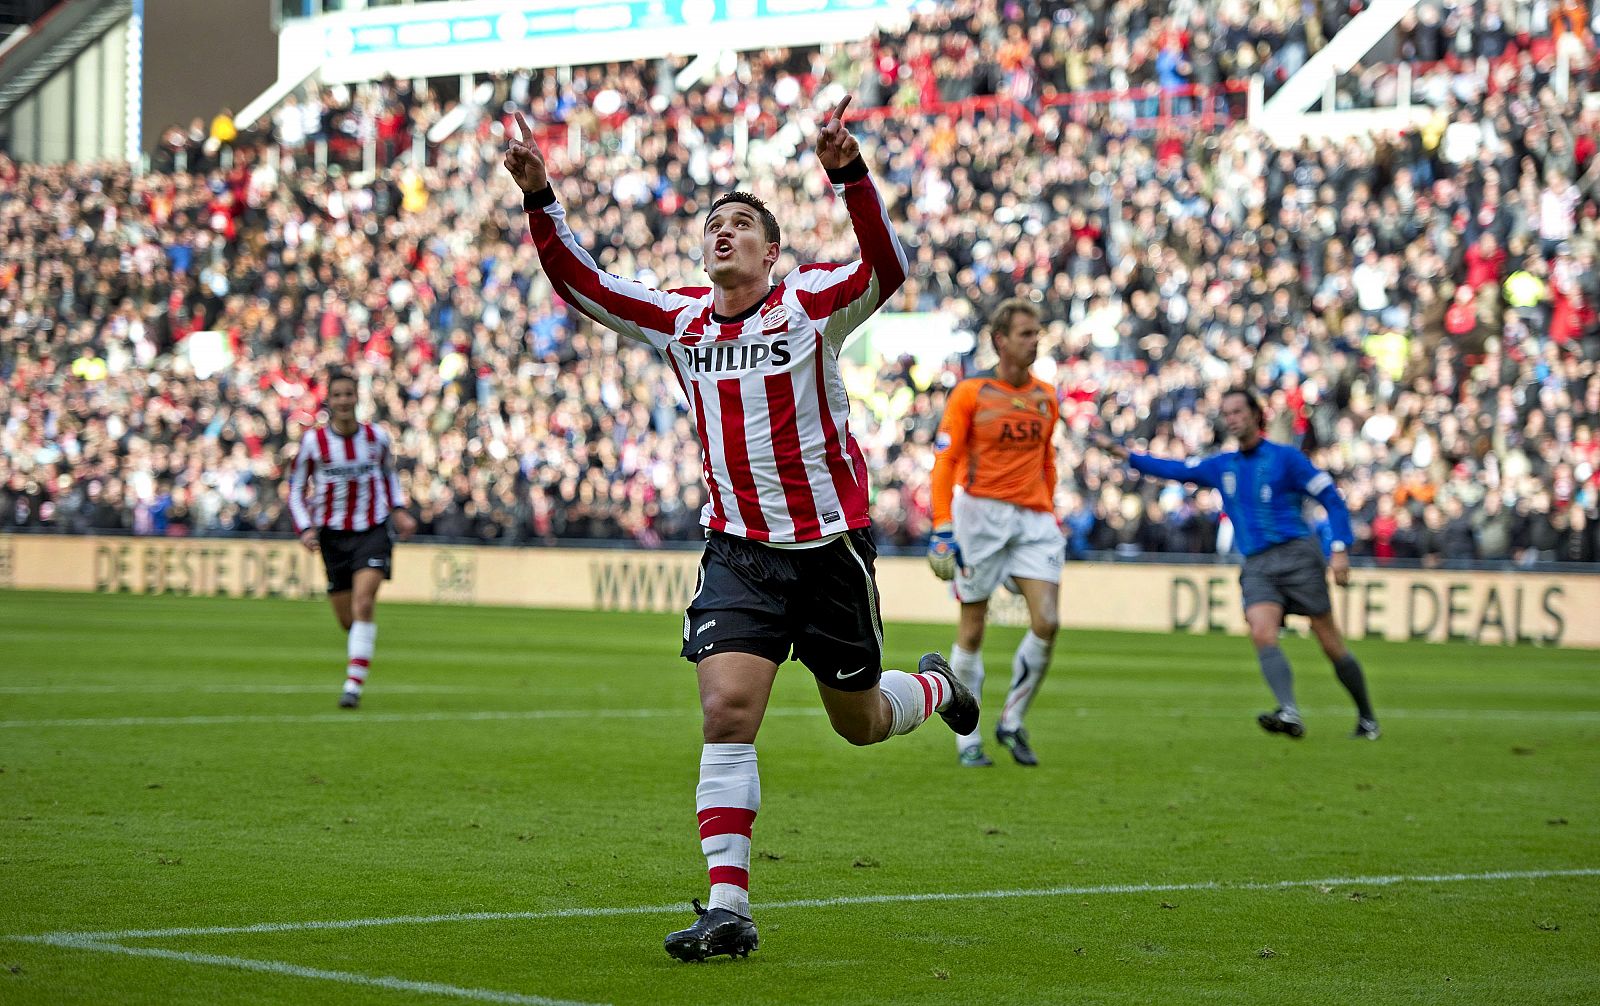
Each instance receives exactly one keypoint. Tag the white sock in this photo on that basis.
(968, 665)
(913, 698)
(1028, 669)
(362, 637)
(727, 799)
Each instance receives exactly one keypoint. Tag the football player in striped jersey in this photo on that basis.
(347, 504)
(788, 565)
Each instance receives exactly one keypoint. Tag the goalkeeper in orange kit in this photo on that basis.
(995, 442)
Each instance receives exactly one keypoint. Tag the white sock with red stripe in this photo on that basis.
(968, 665)
(727, 799)
(913, 698)
(362, 637)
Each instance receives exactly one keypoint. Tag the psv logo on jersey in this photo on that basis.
(774, 319)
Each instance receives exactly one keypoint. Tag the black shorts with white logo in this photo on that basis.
(344, 552)
(821, 603)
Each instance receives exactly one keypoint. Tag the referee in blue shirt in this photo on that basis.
(1263, 488)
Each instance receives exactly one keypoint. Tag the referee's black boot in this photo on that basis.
(1280, 722)
(961, 713)
(717, 931)
(1366, 730)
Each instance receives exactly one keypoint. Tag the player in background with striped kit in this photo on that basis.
(995, 440)
(347, 504)
(789, 555)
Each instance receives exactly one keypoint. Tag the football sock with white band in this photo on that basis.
(363, 636)
(1028, 668)
(968, 667)
(727, 799)
(913, 698)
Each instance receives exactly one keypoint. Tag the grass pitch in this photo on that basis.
(185, 817)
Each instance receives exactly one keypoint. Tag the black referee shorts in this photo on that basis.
(344, 552)
(1292, 575)
(819, 603)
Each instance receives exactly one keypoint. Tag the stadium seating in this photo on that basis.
(1421, 311)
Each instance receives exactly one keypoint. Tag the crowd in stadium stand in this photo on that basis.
(1419, 310)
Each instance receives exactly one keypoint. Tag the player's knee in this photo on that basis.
(728, 718)
(1045, 627)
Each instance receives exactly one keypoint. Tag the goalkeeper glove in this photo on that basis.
(944, 555)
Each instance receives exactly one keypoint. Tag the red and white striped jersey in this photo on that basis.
(351, 480)
(765, 391)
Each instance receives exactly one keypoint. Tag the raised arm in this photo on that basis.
(846, 295)
(1198, 471)
(625, 306)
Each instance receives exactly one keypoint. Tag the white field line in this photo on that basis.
(1385, 714)
(297, 971)
(370, 717)
(443, 716)
(1384, 880)
(240, 689)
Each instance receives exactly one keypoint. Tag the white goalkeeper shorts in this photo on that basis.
(1000, 540)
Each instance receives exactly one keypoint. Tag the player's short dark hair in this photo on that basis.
(339, 374)
(1250, 399)
(1006, 313)
(769, 223)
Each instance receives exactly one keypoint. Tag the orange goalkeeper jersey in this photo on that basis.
(995, 440)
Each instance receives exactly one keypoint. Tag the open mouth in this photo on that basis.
(723, 249)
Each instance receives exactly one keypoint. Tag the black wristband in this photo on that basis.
(852, 172)
(539, 199)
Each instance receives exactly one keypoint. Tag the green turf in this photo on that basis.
(533, 761)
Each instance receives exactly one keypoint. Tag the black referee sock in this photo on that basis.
(1275, 668)
(1355, 682)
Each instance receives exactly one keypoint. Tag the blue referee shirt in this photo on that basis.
(1263, 492)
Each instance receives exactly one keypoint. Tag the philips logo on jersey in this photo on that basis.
(338, 471)
(724, 356)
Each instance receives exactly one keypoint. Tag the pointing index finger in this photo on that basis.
(522, 127)
(838, 110)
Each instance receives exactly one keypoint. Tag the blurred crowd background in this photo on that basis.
(1420, 311)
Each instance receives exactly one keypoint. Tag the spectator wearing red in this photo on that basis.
(1486, 261)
